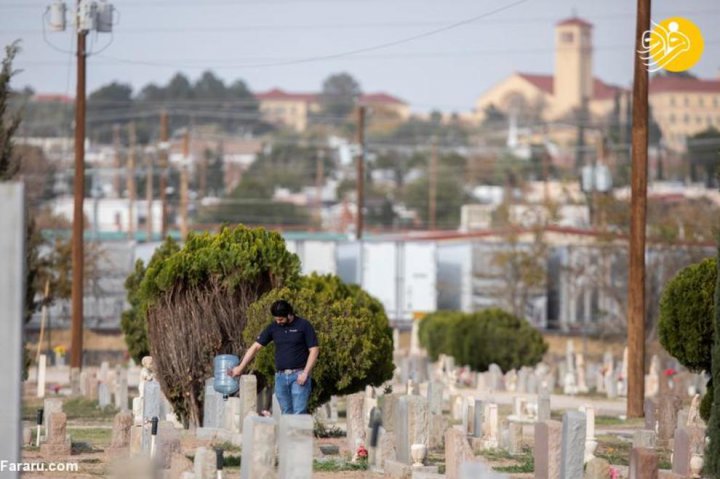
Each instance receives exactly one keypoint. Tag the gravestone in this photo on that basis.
(121, 389)
(213, 407)
(205, 465)
(515, 438)
(58, 444)
(167, 444)
(668, 407)
(544, 410)
(12, 305)
(258, 448)
(412, 425)
(479, 418)
(103, 395)
(597, 468)
(457, 452)
(435, 397)
(681, 452)
(355, 423)
(151, 400)
(388, 404)
(50, 405)
(248, 397)
(42, 365)
(643, 464)
(491, 428)
(122, 424)
(573, 445)
(232, 415)
(478, 470)
(295, 441)
(547, 449)
(644, 438)
(650, 407)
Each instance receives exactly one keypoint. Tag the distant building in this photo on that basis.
(681, 106)
(684, 107)
(293, 110)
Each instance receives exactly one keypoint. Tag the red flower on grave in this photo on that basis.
(362, 452)
(614, 473)
(670, 372)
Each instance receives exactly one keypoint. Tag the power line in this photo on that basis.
(345, 26)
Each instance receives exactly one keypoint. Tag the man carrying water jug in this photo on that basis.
(296, 350)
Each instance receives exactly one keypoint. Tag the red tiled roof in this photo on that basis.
(542, 82)
(574, 21)
(278, 94)
(678, 84)
(601, 90)
(381, 98)
(53, 98)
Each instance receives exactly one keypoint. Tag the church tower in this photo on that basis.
(573, 63)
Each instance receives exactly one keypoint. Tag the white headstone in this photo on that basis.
(258, 448)
(42, 364)
(12, 305)
(295, 441)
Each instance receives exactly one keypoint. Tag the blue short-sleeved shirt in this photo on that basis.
(292, 342)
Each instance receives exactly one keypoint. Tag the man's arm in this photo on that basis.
(249, 355)
(312, 358)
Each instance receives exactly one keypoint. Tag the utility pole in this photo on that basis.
(360, 163)
(432, 181)
(116, 159)
(184, 227)
(164, 147)
(76, 347)
(319, 181)
(149, 197)
(638, 206)
(132, 138)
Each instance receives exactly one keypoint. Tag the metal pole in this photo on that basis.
(360, 163)
(638, 205)
(78, 216)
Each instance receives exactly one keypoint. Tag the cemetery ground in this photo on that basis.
(517, 424)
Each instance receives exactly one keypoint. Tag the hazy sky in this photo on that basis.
(251, 39)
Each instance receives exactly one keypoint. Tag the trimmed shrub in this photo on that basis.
(352, 328)
(195, 303)
(473, 339)
(686, 328)
(133, 323)
(686, 315)
(712, 455)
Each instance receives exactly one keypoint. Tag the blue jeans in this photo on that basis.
(293, 398)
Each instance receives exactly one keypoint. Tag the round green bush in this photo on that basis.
(475, 339)
(352, 328)
(686, 315)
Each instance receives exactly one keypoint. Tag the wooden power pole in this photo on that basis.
(432, 186)
(116, 159)
(78, 229)
(132, 138)
(164, 151)
(149, 197)
(184, 226)
(638, 206)
(360, 163)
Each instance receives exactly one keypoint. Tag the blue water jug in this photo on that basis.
(223, 382)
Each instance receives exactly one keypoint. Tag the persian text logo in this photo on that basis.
(675, 44)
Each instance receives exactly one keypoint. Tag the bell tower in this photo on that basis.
(573, 63)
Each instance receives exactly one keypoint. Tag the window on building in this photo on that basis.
(672, 101)
(686, 119)
(701, 101)
(687, 101)
(567, 37)
(716, 102)
(698, 120)
(672, 118)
